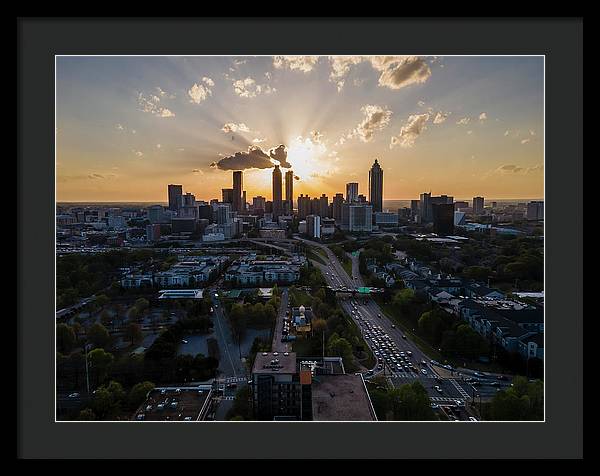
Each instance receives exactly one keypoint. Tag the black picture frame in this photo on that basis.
(560, 40)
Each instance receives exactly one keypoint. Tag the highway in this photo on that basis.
(388, 343)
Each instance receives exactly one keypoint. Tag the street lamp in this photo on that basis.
(87, 375)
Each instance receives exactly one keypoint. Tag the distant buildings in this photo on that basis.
(443, 218)
(535, 210)
(313, 226)
(352, 192)
(376, 187)
(227, 195)
(478, 203)
(175, 192)
(303, 206)
(336, 206)
(249, 271)
(389, 219)
(357, 217)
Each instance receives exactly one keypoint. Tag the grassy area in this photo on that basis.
(347, 265)
(315, 254)
(403, 323)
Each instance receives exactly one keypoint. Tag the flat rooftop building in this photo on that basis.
(341, 398)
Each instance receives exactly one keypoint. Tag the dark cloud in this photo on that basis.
(279, 154)
(296, 177)
(254, 158)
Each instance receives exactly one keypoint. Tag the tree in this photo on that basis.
(138, 393)
(238, 320)
(105, 318)
(102, 300)
(107, 400)
(100, 362)
(133, 332)
(340, 347)
(98, 335)
(87, 414)
(65, 338)
(430, 324)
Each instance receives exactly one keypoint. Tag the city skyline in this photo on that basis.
(462, 126)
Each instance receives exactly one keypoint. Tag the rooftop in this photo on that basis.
(173, 404)
(340, 398)
(275, 363)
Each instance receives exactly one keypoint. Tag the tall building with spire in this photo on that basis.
(277, 196)
(376, 187)
(289, 190)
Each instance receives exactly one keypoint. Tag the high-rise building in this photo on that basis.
(478, 203)
(426, 203)
(443, 218)
(461, 204)
(303, 206)
(244, 201)
(277, 196)
(362, 198)
(351, 192)
(175, 193)
(238, 186)
(227, 195)
(156, 214)
(313, 226)
(337, 202)
(357, 217)
(259, 204)
(535, 210)
(414, 207)
(205, 212)
(224, 214)
(289, 190)
(153, 232)
(324, 206)
(376, 187)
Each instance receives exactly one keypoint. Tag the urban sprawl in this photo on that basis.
(300, 308)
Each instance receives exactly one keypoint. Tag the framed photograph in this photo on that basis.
(346, 242)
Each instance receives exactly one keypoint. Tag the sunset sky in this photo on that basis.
(463, 126)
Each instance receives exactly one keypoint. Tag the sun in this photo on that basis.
(308, 158)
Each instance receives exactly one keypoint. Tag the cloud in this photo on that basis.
(401, 71)
(197, 172)
(258, 140)
(138, 153)
(340, 67)
(254, 158)
(201, 91)
(440, 117)
(301, 63)
(233, 127)
(164, 94)
(279, 154)
(525, 141)
(158, 146)
(421, 103)
(396, 71)
(469, 132)
(151, 104)
(410, 131)
(464, 121)
(509, 169)
(482, 116)
(535, 169)
(95, 176)
(507, 132)
(376, 118)
(531, 133)
(120, 127)
(316, 136)
(249, 88)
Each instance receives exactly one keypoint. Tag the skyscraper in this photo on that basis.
(337, 202)
(324, 206)
(277, 196)
(351, 192)
(238, 185)
(289, 189)
(175, 193)
(376, 187)
(443, 218)
(227, 195)
(535, 210)
(478, 203)
(303, 206)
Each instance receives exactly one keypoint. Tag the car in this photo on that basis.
(188, 418)
(183, 341)
(424, 372)
(434, 406)
(403, 336)
(140, 416)
(74, 395)
(231, 385)
(378, 315)
(472, 418)
(423, 362)
(494, 384)
(211, 309)
(501, 377)
(409, 353)
(438, 389)
(460, 403)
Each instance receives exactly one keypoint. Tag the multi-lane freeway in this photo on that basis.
(399, 359)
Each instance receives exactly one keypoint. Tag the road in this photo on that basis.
(277, 345)
(391, 347)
